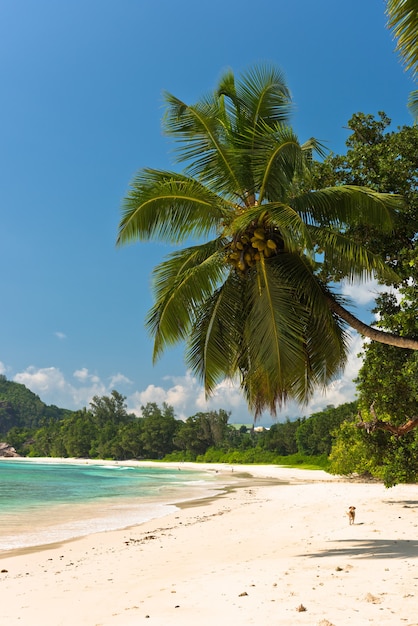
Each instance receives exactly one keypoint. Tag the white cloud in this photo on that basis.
(60, 335)
(85, 376)
(41, 380)
(119, 379)
(186, 395)
(362, 293)
(82, 374)
(141, 398)
(53, 388)
(2, 368)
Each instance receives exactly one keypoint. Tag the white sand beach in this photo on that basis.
(263, 553)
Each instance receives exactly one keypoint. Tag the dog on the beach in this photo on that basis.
(351, 514)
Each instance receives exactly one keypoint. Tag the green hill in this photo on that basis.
(20, 407)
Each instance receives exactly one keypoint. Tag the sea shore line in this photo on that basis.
(274, 547)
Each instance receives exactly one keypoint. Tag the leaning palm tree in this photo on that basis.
(403, 21)
(248, 298)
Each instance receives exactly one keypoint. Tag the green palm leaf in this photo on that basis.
(352, 259)
(215, 339)
(348, 204)
(170, 207)
(264, 95)
(199, 132)
(181, 284)
(403, 20)
(413, 103)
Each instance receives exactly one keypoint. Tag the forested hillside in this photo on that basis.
(21, 408)
(107, 430)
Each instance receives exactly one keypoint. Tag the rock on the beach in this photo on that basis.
(7, 450)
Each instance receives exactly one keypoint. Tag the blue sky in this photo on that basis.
(81, 110)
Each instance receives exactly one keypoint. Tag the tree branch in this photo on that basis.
(377, 424)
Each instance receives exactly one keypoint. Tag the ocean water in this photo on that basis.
(48, 502)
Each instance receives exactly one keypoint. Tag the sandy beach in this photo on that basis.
(275, 548)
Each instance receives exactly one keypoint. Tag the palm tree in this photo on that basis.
(403, 21)
(248, 299)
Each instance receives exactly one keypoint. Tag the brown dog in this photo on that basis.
(351, 514)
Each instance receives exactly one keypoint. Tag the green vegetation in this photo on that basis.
(255, 299)
(386, 444)
(107, 430)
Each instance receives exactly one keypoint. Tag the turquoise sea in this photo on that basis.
(47, 502)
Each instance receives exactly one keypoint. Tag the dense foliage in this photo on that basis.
(387, 383)
(107, 430)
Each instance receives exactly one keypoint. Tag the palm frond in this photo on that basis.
(181, 284)
(311, 349)
(199, 132)
(266, 95)
(169, 206)
(275, 317)
(215, 339)
(348, 204)
(351, 258)
(403, 21)
(285, 163)
(413, 103)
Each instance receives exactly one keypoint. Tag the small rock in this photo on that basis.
(371, 598)
(244, 593)
(301, 608)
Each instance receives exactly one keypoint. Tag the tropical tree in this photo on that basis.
(403, 21)
(248, 298)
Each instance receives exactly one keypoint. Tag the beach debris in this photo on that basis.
(369, 597)
(141, 540)
(244, 593)
(301, 608)
(325, 622)
(338, 569)
(4, 571)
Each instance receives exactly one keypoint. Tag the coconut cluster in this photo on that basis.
(246, 249)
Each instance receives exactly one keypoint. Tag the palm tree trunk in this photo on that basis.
(367, 331)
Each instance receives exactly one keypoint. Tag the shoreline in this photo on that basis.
(56, 522)
(81, 519)
(274, 548)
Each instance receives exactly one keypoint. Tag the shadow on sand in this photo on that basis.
(371, 548)
(407, 504)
